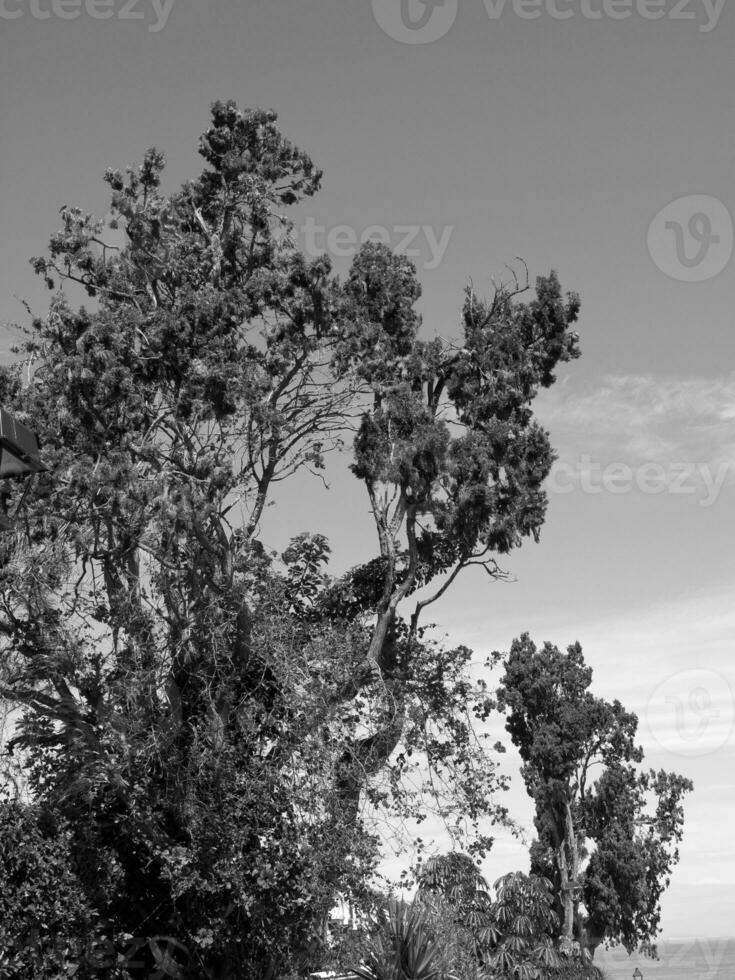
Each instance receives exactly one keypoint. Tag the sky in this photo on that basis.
(594, 137)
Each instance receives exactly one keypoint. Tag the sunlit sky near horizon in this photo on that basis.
(558, 141)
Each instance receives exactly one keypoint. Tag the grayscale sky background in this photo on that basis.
(559, 141)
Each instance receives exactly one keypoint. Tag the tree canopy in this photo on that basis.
(208, 719)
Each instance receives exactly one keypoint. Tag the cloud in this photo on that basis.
(641, 418)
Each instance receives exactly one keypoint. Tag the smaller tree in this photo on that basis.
(524, 920)
(633, 820)
(452, 889)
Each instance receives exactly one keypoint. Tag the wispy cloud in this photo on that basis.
(640, 418)
(645, 434)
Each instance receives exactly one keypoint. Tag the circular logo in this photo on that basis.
(415, 21)
(691, 713)
(691, 239)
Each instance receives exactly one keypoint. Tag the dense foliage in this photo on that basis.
(510, 935)
(580, 766)
(46, 923)
(455, 930)
(212, 723)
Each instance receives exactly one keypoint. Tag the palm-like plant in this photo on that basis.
(455, 881)
(404, 947)
(525, 919)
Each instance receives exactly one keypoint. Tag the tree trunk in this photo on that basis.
(567, 900)
(568, 862)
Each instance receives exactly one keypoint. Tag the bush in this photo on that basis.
(46, 925)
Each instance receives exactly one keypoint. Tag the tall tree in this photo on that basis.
(444, 501)
(208, 716)
(580, 766)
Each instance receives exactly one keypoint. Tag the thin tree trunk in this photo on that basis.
(568, 860)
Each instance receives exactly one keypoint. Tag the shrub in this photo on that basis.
(46, 925)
